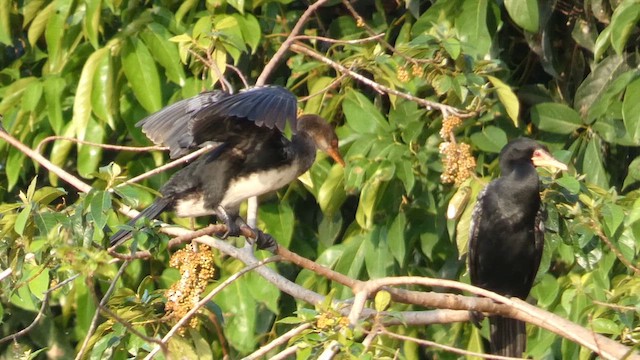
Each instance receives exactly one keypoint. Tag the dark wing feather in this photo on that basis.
(271, 107)
(169, 126)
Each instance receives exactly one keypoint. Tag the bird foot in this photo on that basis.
(232, 230)
(476, 318)
(265, 241)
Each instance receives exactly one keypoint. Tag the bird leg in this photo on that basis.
(235, 223)
(233, 229)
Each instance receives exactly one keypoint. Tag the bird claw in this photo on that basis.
(232, 230)
(476, 318)
(265, 241)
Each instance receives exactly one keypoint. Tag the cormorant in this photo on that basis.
(507, 236)
(252, 156)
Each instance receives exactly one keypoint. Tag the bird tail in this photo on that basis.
(150, 212)
(508, 336)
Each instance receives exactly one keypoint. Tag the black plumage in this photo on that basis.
(252, 156)
(507, 236)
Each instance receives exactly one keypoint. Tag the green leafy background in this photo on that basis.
(567, 76)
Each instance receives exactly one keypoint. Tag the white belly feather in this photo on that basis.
(257, 184)
(239, 189)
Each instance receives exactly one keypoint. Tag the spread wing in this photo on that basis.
(219, 117)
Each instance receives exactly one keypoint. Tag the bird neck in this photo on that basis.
(304, 150)
(523, 183)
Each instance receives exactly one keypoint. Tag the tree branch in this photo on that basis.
(287, 42)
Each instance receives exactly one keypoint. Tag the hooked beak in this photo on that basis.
(335, 154)
(542, 158)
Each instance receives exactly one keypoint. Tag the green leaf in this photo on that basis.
(602, 43)
(12, 93)
(472, 26)
(592, 164)
(100, 205)
(631, 110)
(82, 101)
(91, 21)
(596, 83)
(89, 156)
(382, 300)
(142, 74)
(546, 291)
(606, 326)
(524, 13)
(21, 220)
(368, 197)
(507, 97)
(613, 216)
(362, 116)
(251, 32)
(278, 221)
(53, 89)
(31, 96)
(315, 86)
(55, 35)
(39, 282)
(5, 22)
(452, 47)
(396, 238)
(570, 183)
(331, 194)
(404, 171)
(376, 253)
(491, 139)
(555, 118)
(623, 22)
(164, 52)
(263, 291)
(240, 327)
(102, 94)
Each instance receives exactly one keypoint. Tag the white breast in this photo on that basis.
(258, 183)
(192, 207)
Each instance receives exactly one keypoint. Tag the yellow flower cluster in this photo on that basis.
(328, 320)
(417, 70)
(458, 162)
(449, 124)
(403, 74)
(196, 269)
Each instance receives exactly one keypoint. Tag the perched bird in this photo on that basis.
(507, 236)
(252, 156)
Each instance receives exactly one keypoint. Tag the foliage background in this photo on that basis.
(563, 73)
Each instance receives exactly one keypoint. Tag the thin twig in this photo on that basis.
(614, 249)
(452, 349)
(335, 41)
(206, 299)
(172, 164)
(14, 336)
(96, 315)
(130, 327)
(240, 75)
(445, 109)
(104, 146)
(5, 273)
(281, 340)
(70, 179)
(287, 42)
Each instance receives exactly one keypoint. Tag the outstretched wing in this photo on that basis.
(170, 126)
(221, 118)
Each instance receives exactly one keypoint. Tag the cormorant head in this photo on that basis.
(322, 134)
(523, 151)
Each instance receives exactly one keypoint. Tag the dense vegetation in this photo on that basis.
(566, 75)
